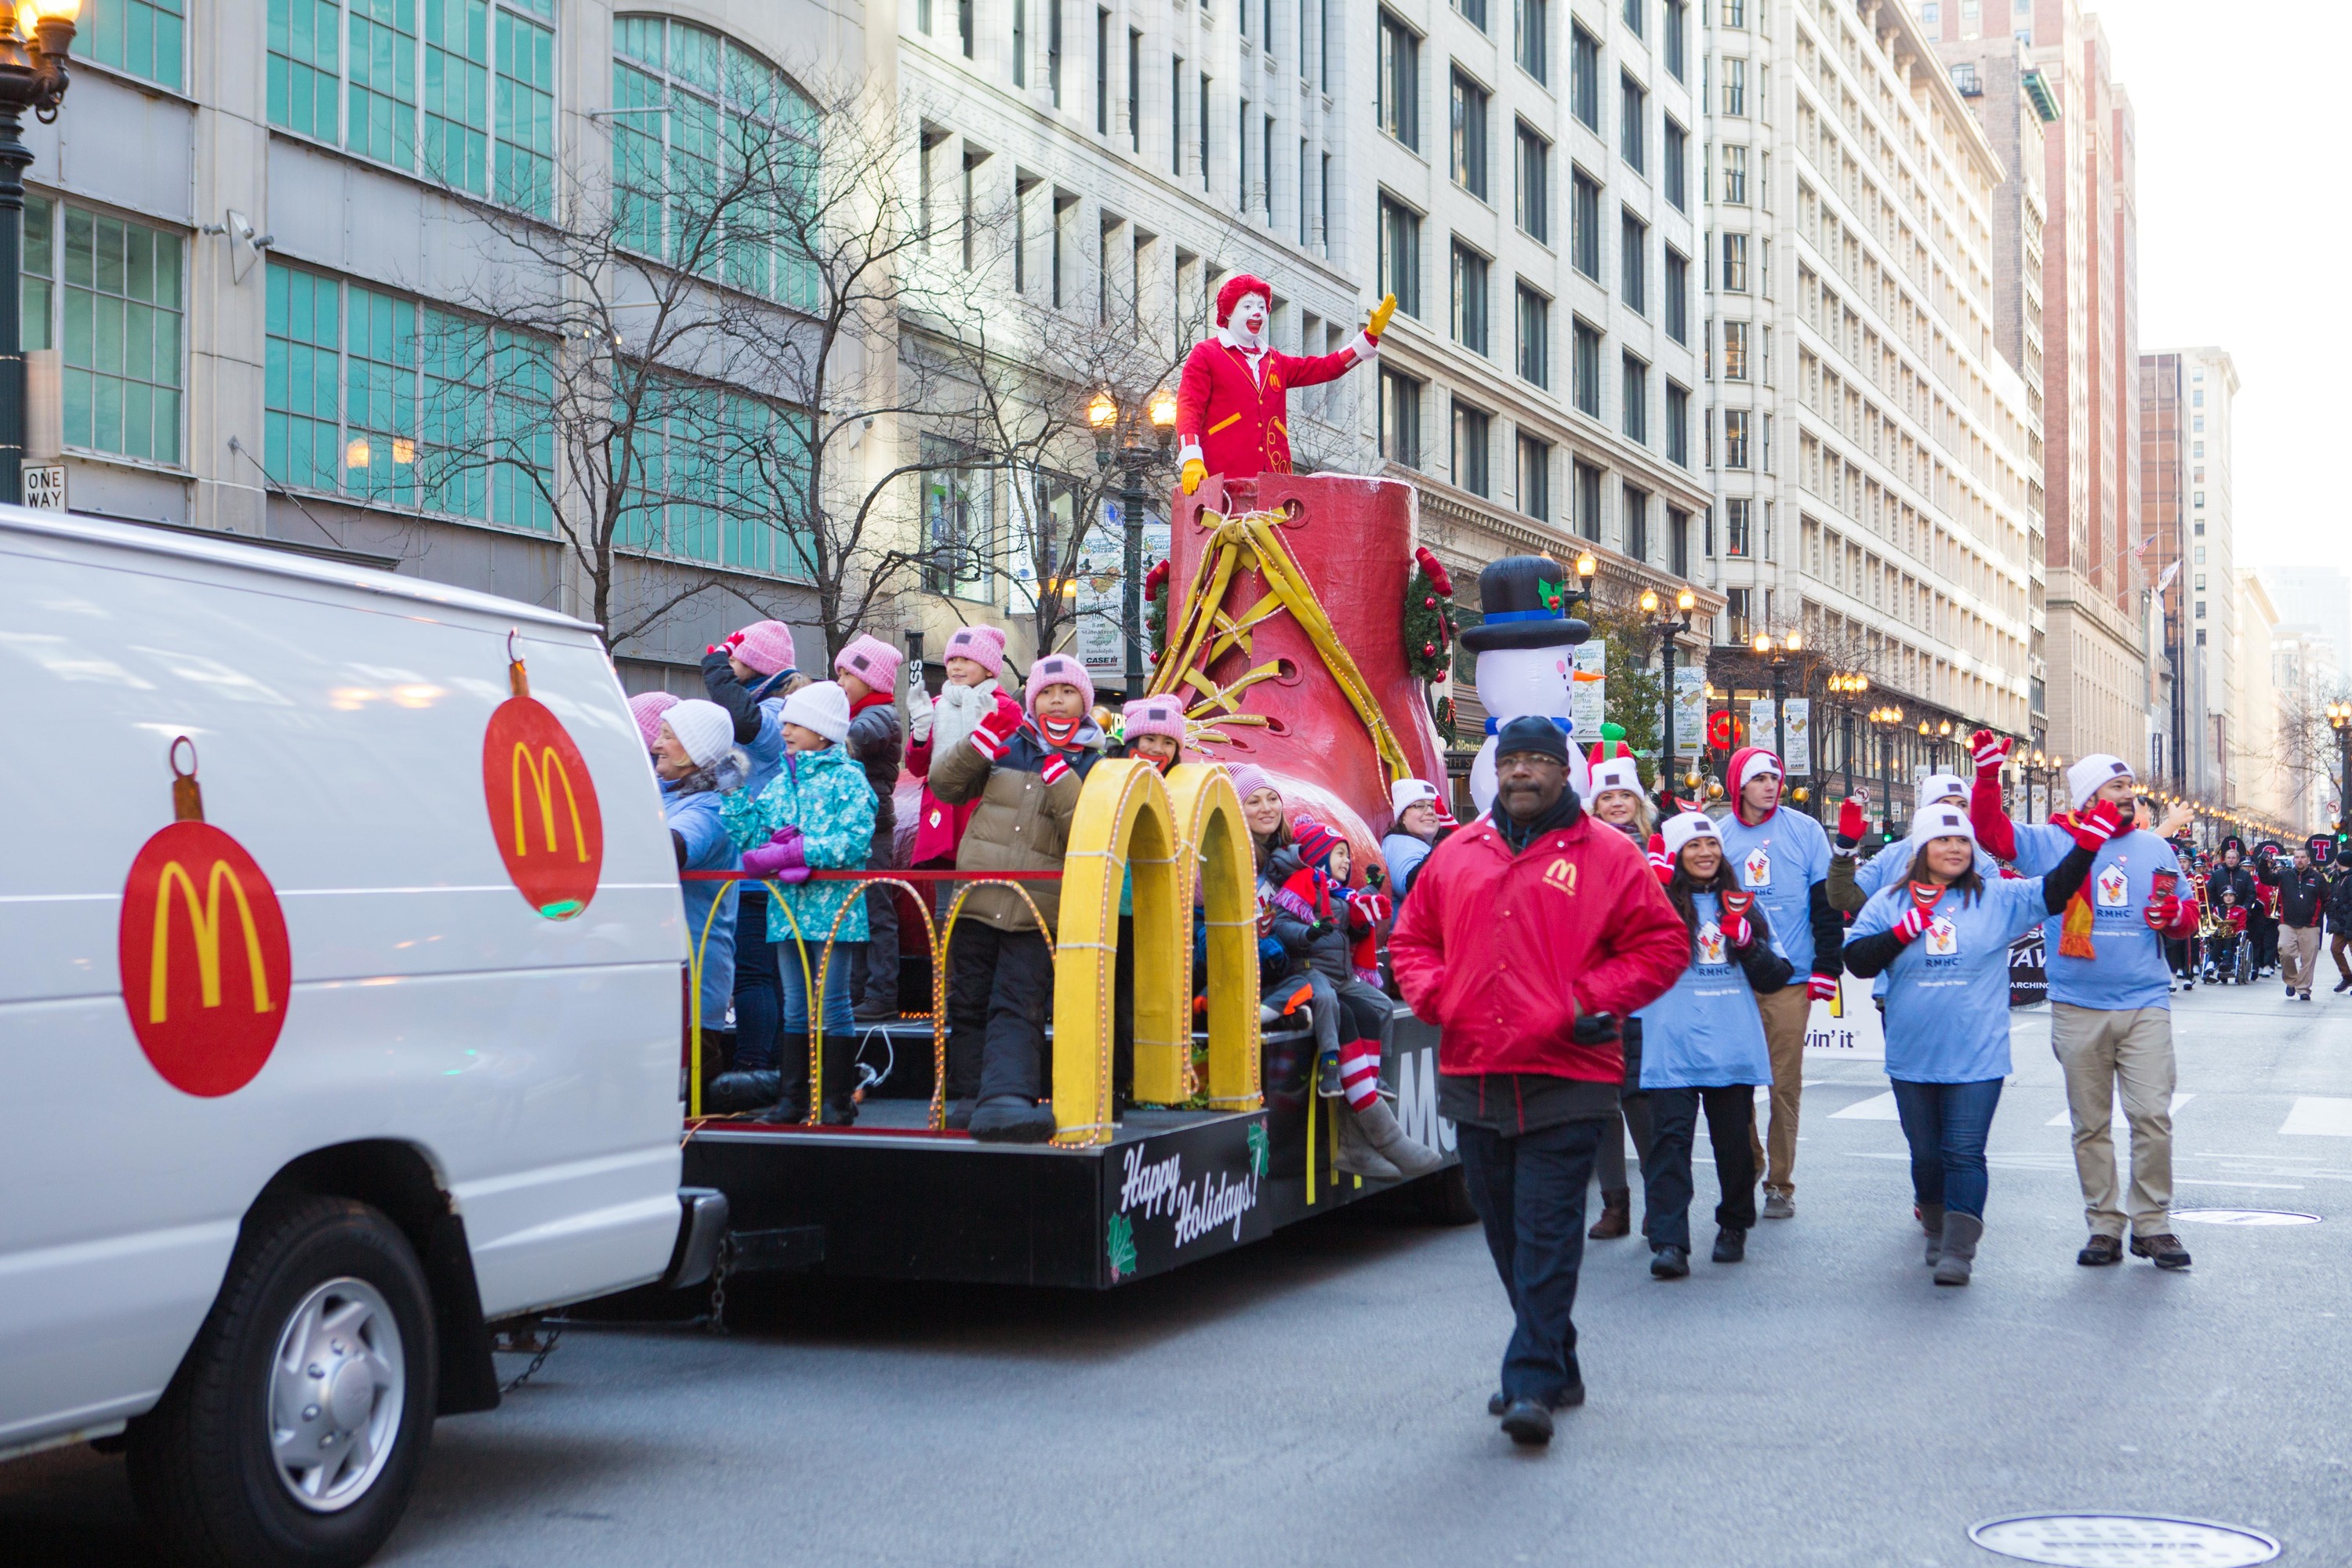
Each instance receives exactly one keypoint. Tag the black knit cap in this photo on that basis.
(1531, 732)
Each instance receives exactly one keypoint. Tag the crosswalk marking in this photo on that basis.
(2066, 1118)
(1877, 1107)
(2319, 1116)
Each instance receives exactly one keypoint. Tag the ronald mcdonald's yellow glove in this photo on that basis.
(1192, 473)
(1380, 314)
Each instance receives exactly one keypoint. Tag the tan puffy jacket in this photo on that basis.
(1023, 822)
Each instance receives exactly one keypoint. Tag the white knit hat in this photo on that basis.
(1935, 787)
(1758, 762)
(1617, 773)
(1683, 827)
(1407, 792)
(2083, 779)
(1942, 822)
(824, 708)
(702, 728)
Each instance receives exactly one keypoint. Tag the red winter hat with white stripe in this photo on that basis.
(1613, 767)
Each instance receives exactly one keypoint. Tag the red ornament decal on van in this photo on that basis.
(542, 803)
(206, 994)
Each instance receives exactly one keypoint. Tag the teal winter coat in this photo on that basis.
(825, 796)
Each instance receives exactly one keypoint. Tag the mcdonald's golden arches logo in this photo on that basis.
(542, 803)
(206, 970)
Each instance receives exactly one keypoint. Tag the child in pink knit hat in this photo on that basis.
(869, 670)
(1154, 727)
(935, 726)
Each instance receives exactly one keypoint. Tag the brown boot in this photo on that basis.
(1616, 1215)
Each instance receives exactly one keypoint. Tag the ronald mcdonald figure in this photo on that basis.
(1231, 409)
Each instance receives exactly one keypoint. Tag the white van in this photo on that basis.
(340, 1016)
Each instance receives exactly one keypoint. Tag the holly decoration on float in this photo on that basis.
(1428, 618)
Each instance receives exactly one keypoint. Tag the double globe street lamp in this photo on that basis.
(1133, 457)
(32, 76)
(1668, 626)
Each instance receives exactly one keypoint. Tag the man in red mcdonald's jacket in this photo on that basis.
(1530, 933)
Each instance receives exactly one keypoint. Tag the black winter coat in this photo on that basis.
(2302, 896)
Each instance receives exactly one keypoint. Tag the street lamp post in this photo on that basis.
(1847, 686)
(32, 76)
(1765, 647)
(1668, 627)
(2339, 718)
(1133, 457)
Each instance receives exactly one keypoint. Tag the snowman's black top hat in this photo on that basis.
(1524, 599)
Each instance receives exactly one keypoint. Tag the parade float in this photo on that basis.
(1302, 626)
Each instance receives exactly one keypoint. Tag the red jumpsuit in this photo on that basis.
(1237, 422)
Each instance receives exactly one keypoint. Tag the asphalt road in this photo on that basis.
(1319, 1398)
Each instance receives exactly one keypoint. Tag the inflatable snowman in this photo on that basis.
(1526, 664)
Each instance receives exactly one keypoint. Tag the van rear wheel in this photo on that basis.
(293, 1432)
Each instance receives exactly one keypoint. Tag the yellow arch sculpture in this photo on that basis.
(1209, 823)
(1123, 823)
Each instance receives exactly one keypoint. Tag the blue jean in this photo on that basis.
(1946, 1125)
(837, 1020)
(1529, 1194)
(756, 997)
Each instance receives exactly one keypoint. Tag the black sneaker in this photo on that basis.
(2344, 985)
(1669, 1263)
(1731, 1245)
(2164, 1250)
(2306, 996)
(1527, 1423)
(1568, 1398)
(2100, 1251)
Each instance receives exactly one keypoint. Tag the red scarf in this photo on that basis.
(2074, 925)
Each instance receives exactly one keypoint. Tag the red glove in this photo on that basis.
(1914, 920)
(2094, 825)
(1850, 823)
(1823, 987)
(1992, 751)
(1659, 861)
(1053, 770)
(1372, 906)
(2162, 914)
(996, 732)
(725, 645)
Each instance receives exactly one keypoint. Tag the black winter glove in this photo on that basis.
(1320, 930)
(1595, 1029)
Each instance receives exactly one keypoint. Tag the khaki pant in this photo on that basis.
(1785, 1012)
(2298, 955)
(2100, 1048)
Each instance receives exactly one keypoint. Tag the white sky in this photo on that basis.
(2239, 229)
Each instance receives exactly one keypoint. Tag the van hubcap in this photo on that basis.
(337, 1386)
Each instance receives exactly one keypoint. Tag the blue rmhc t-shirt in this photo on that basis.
(1888, 868)
(1778, 859)
(1705, 1033)
(2128, 968)
(1948, 992)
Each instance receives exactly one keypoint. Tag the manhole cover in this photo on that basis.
(2122, 1540)
(2245, 1216)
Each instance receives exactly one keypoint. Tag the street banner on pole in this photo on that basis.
(1761, 731)
(1690, 709)
(1100, 576)
(1589, 693)
(2038, 807)
(1797, 748)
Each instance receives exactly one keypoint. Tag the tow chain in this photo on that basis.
(716, 1319)
(546, 1348)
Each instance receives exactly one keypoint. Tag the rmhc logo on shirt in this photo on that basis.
(1710, 943)
(1758, 870)
(1943, 938)
(2114, 887)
